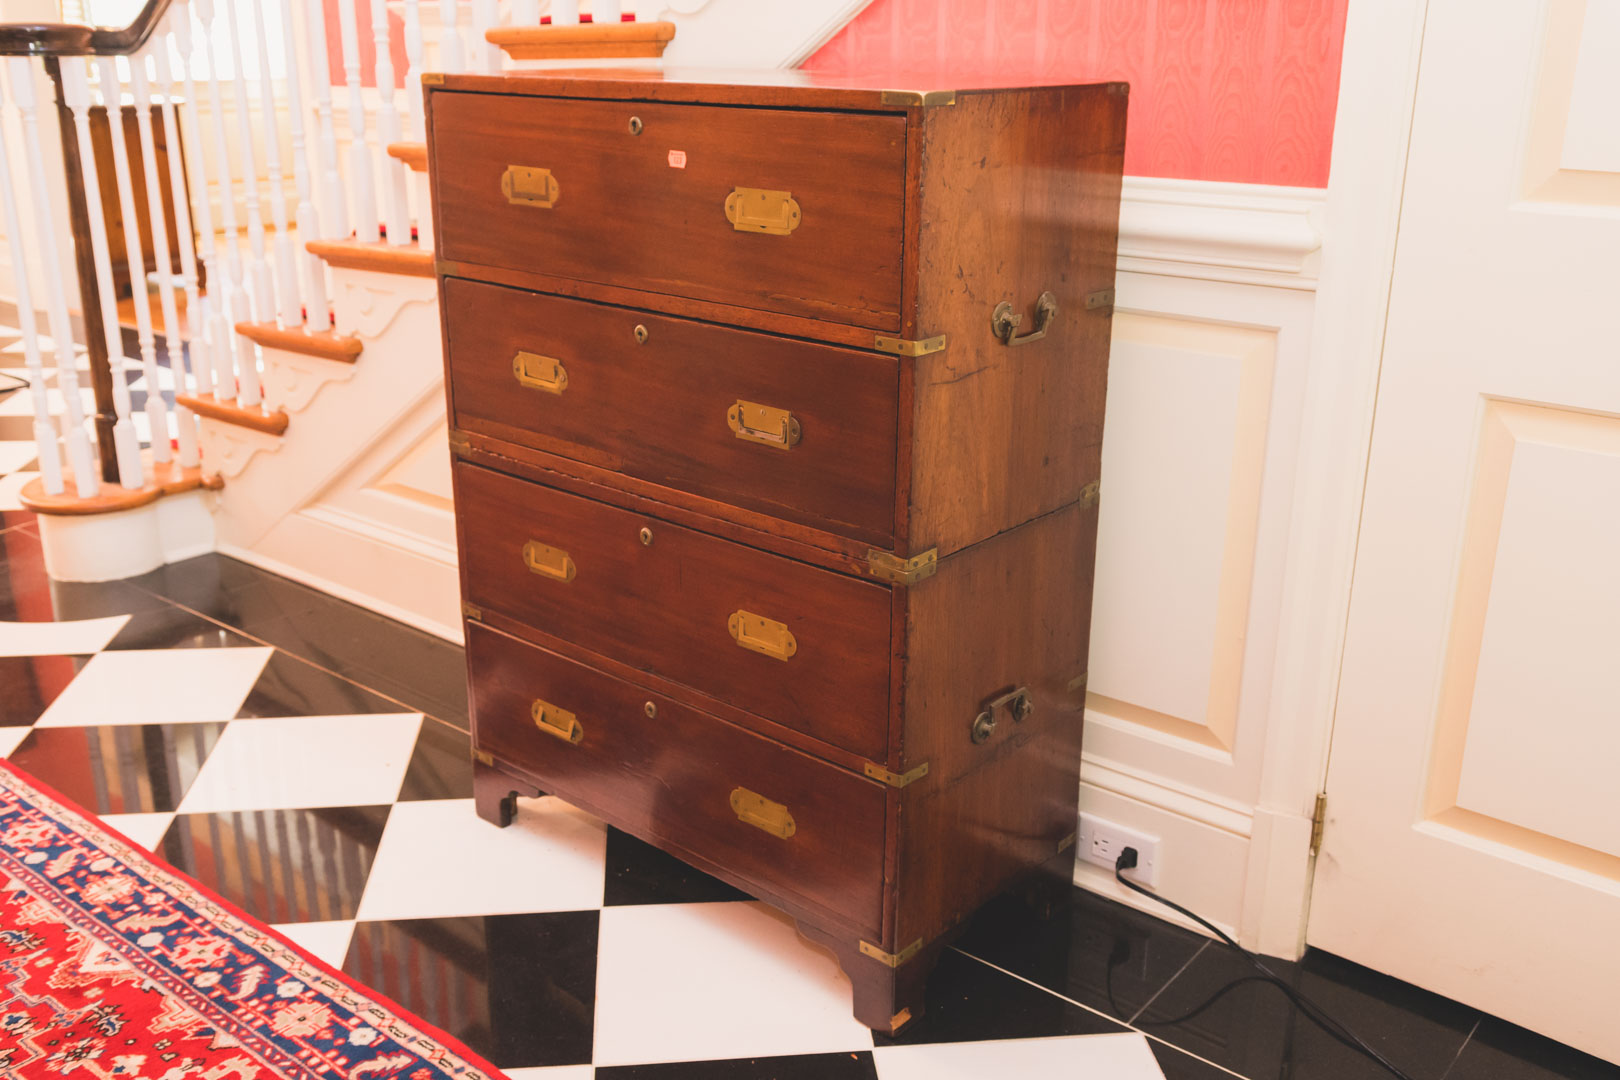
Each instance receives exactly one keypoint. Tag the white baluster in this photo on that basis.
(361, 182)
(126, 443)
(452, 50)
(606, 12)
(232, 304)
(389, 130)
(45, 441)
(157, 413)
(290, 309)
(564, 12)
(199, 346)
(85, 480)
(317, 313)
(263, 293)
(525, 12)
(485, 17)
(334, 214)
(416, 120)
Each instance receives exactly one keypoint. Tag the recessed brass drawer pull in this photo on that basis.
(547, 561)
(760, 812)
(764, 425)
(525, 185)
(556, 721)
(762, 635)
(540, 372)
(762, 210)
(1004, 323)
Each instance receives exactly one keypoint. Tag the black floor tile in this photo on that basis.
(282, 866)
(289, 686)
(520, 990)
(799, 1067)
(171, 627)
(1501, 1051)
(1180, 1065)
(119, 769)
(28, 684)
(638, 873)
(25, 591)
(441, 764)
(210, 584)
(1218, 1010)
(1090, 949)
(968, 1001)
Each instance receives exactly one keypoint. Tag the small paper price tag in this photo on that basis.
(677, 159)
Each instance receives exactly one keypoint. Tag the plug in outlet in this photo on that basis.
(1100, 841)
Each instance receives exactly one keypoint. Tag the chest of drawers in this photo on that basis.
(776, 409)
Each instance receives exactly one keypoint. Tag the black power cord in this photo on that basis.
(1311, 1011)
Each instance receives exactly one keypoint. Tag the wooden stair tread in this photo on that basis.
(413, 154)
(169, 478)
(386, 258)
(583, 42)
(326, 344)
(248, 416)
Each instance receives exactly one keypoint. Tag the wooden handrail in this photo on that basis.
(75, 39)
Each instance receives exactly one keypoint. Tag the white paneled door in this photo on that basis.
(1473, 833)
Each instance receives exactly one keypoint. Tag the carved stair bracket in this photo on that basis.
(291, 380)
(368, 302)
(227, 448)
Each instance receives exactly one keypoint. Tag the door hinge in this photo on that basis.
(1318, 822)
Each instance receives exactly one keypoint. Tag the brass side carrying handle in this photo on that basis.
(1018, 701)
(763, 211)
(1004, 322)
(764, 636)
(555, 720)
(764, 425)
(540, 372)
(547, 561)
(755, 809)
(526, 185)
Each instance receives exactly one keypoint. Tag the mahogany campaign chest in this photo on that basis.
(776, 408)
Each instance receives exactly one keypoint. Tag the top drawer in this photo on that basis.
(634, 194)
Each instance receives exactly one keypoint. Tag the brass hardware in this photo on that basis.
(471, 611)
(635, 125)
(764, 424)
(764, 636)
(894, 779)
(762, 210)
(640, 334)
(556, 721)
(540, 372)
(893, 960)
(1318, 822)
(1079, 681)
(1100, 299)
(899, 1020)
(645, 536)
(459, 444)
(886, 566)
(651, 709)
(1019, 702)
(525, 185)
(547, 561)
(482, 758)
(760, 812)
(1089, 495)
(925, 98)
(433, 78)
(1004, 323)
(1066, 843)
(903, 347)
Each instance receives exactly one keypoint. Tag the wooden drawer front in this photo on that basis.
(671, 776)
(669, 605)
(661, 410)
(648, 211)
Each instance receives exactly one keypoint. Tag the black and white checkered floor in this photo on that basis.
(309, 760)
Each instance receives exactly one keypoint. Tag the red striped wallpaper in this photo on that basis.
(1240, 90)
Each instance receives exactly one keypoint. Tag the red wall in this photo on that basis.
(1240, 90)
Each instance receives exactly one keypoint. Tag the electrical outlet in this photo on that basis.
(1100, 841)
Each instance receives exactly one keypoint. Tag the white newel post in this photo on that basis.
(232, 305)
(362, 184)
(317, 312)
(389, 129)
(334, 212)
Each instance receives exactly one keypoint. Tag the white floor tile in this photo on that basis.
(10, 485)
(1125, 1056)
(555, 1072)
(158, 686)
(283, 763)
(144, 829)
(74, 637)
(326, 941)
(698, 982)
(438, 858)
(14, 455)
(10, 737)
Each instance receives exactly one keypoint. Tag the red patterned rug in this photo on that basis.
(115, 966)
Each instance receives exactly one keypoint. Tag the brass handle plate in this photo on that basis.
(547, 561)
(764, 636)
(540, 372)
(755, 809)
(525, 185)
(762, 210)
(1004, 323)
(555, 720)
(764, 425)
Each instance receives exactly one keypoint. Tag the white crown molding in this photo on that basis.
(1248, 233)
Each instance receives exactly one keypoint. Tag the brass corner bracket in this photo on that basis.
(483, 758)
(925, 98)
(1090, 494)
(459, 443)
(894, 779)
(471, 611)
(893, 960)
(889, 567)
(906, 347)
